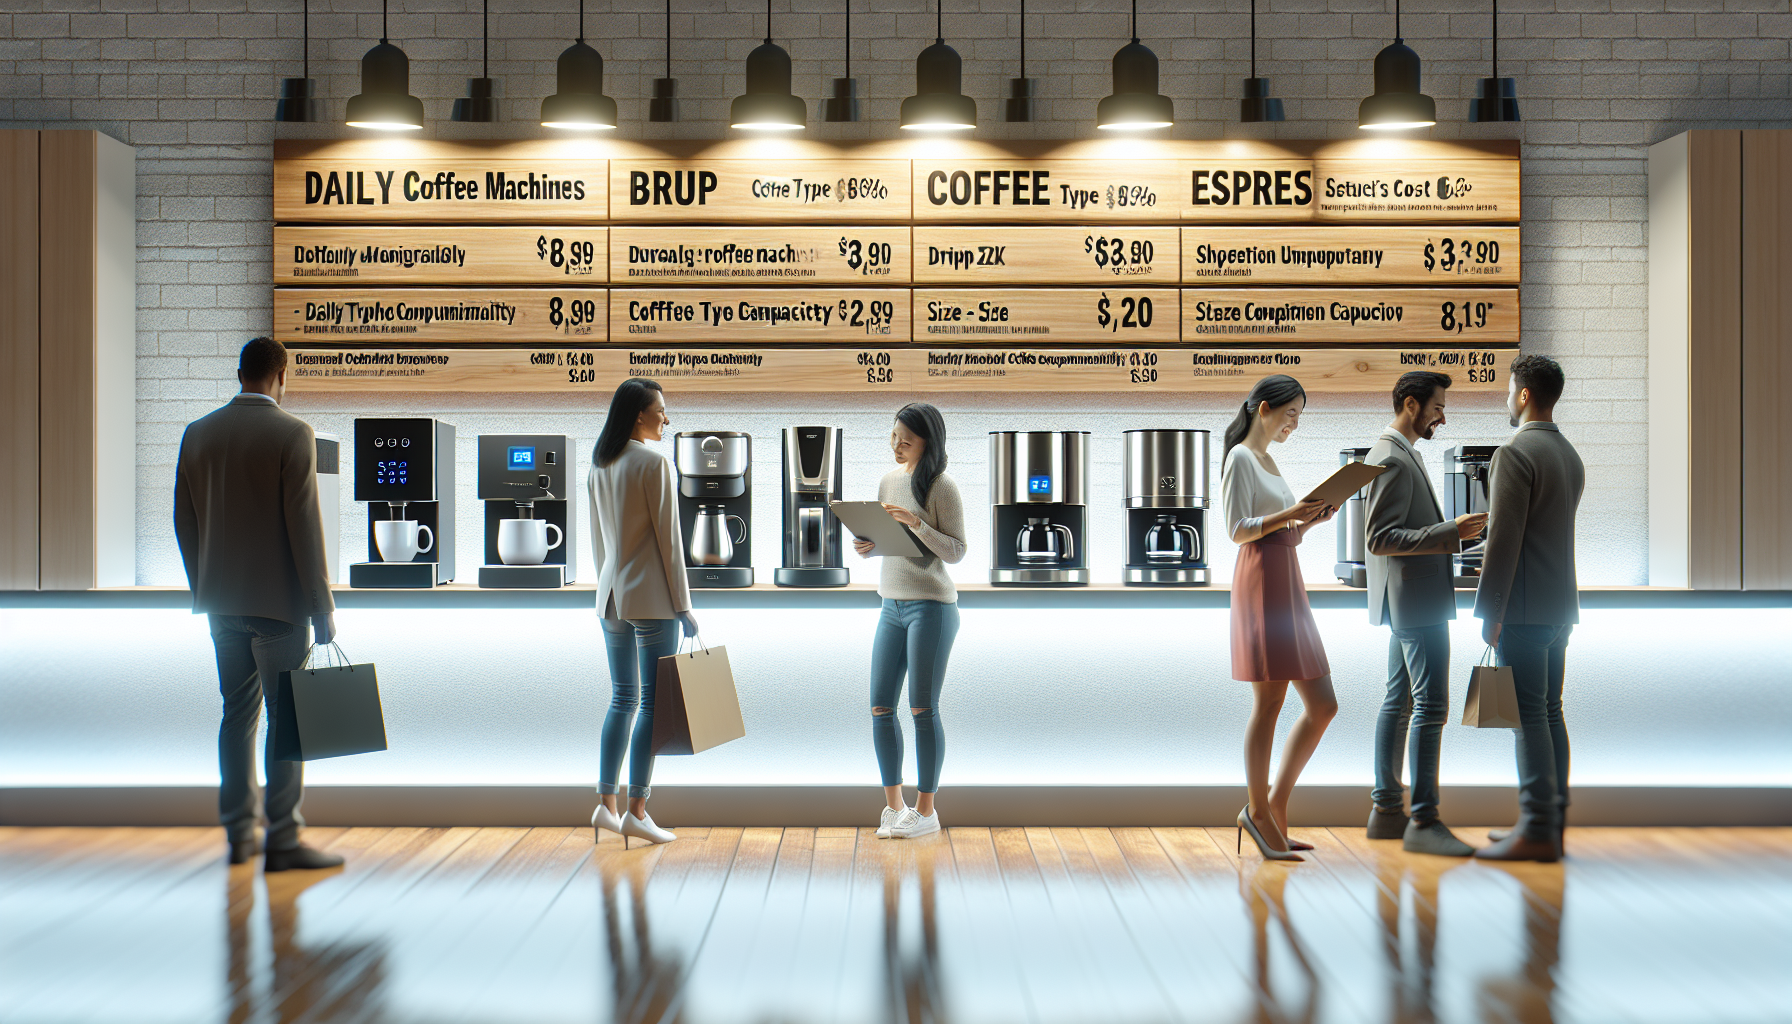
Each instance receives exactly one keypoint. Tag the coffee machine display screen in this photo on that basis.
(522, 458)
(392, 472)
(394, 460)
(1039, 483)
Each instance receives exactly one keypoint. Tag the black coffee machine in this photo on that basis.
(404, 471)
(523, 484)
(715, 506)
(1166, 508)
(813, 554)
(1466, 468)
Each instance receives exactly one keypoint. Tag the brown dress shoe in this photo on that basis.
(1517, 847)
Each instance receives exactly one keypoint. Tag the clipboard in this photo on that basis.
(1349, 479)
(868, 520)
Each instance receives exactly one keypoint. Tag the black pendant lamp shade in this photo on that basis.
(1497, 98)
(1023, 92)
(1397, 103)
(1258, 104)
(939, 102)
(844, 104)
(1136, 103)
(298, 96)
(768, 104)
(385, 100)
(664, 104)
(480, 104)
(579, 102)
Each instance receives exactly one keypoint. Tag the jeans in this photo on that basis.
(1538, 656)
(913, 637)
(1419, 694)
(635, 648)
(252, 652)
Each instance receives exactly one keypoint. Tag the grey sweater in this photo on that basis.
(941, 530)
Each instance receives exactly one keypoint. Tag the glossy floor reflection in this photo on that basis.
(977, 925)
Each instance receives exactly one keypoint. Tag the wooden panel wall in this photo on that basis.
(18, 360)
(67, 325)
(1766, 256)
(1714, 363)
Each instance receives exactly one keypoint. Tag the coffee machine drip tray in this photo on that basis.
(522, 577)
(1039, 577)
(1154, 577)
(392, 575)
(812, 576)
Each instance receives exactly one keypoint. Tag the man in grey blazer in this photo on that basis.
(1412, 589)
(1529, 598)
(252, 540)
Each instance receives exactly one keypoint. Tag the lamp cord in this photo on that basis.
(848, 38)
(306, 56)
(1496, 38)
(1253, 38)
(939, 21)
(1135, 20)
(581, 35)
(668, 38)
(768, 22)
(1398, 38)
(1023, 38)
(383, 35)
(485, 39)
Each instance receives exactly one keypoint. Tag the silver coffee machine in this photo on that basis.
(1353, 529)
(1166, 508)
(1039, 508)
(1466, 468)
(404, 471)
(813, 554)
(715, 506)
(524, 485)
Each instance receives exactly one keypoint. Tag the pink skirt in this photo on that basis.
(1274, 637)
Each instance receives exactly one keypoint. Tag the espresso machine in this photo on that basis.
(1166, 508)
(813, 556)
(528, 517)
(404, 471)
(715, 506)
(329, 500)
(1466, 467)
(1352, 520)
(1039, 510)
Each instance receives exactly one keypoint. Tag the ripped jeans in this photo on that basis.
(913, 638)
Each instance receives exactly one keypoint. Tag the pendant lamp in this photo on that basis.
(385, 100)
(298, 96)
(480, 104)
(939, 102)
(579, 102)
(1397, 103)
(844, 104)
(664, 105)
(1258, 104)
(1136, 103)
(768, 104)
(1023, 92)
(1498, 100)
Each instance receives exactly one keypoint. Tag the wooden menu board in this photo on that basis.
(1018, 257)
(762, 254)
(1043, 191)
(1108, 315)
(440, 255)
(698, 189)
(1363, 316)
(759, 316)
(427, 316)
(909, 369)
(382, 180)
(1332, 255)
(1391, 185)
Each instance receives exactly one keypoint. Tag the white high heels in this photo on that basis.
(644, 828)
(605, 819)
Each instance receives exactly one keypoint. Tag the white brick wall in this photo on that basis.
(192, 83)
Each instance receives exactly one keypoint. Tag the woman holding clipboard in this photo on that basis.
(1275, 641)
(919, 619)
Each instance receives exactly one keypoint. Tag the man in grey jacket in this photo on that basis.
(1529, 598)
(252, 539)
(1412, 589)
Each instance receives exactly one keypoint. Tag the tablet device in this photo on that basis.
(869, 520)
(1349, 479)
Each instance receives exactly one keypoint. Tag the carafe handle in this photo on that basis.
(1194, 541)
(743, 528)
(1069, 542)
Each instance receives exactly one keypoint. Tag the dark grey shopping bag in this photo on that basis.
(327, 711)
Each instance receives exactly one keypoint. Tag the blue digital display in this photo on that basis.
(522, 457)
(1039, 485)
(388, 471)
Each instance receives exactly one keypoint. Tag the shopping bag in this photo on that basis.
(327, 711)
(1492, 696)
(695, 706)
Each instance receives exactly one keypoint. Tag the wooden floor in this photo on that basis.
(982, 926)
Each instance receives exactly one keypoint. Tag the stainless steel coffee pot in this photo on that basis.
(1038, 543)
(1172, 543)
(712, 540)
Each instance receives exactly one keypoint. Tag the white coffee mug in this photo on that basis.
(397, 539)
(525, 541)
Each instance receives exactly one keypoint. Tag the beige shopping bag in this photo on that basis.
(1492, 696)
(695, 706)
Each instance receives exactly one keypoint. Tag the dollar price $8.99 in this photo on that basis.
(1130, 311)
(577, 315)
(573, 258)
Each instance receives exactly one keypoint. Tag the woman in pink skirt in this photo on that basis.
(1274, 639)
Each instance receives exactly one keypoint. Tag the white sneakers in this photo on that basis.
(630, 827)
(886, 820)
(911, 824)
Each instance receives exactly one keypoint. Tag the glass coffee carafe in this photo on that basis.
(1171, 543)
(1043, 542)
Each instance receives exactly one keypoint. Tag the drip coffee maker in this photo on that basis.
(1166, 508)
(1039, 511)
(715, 506)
